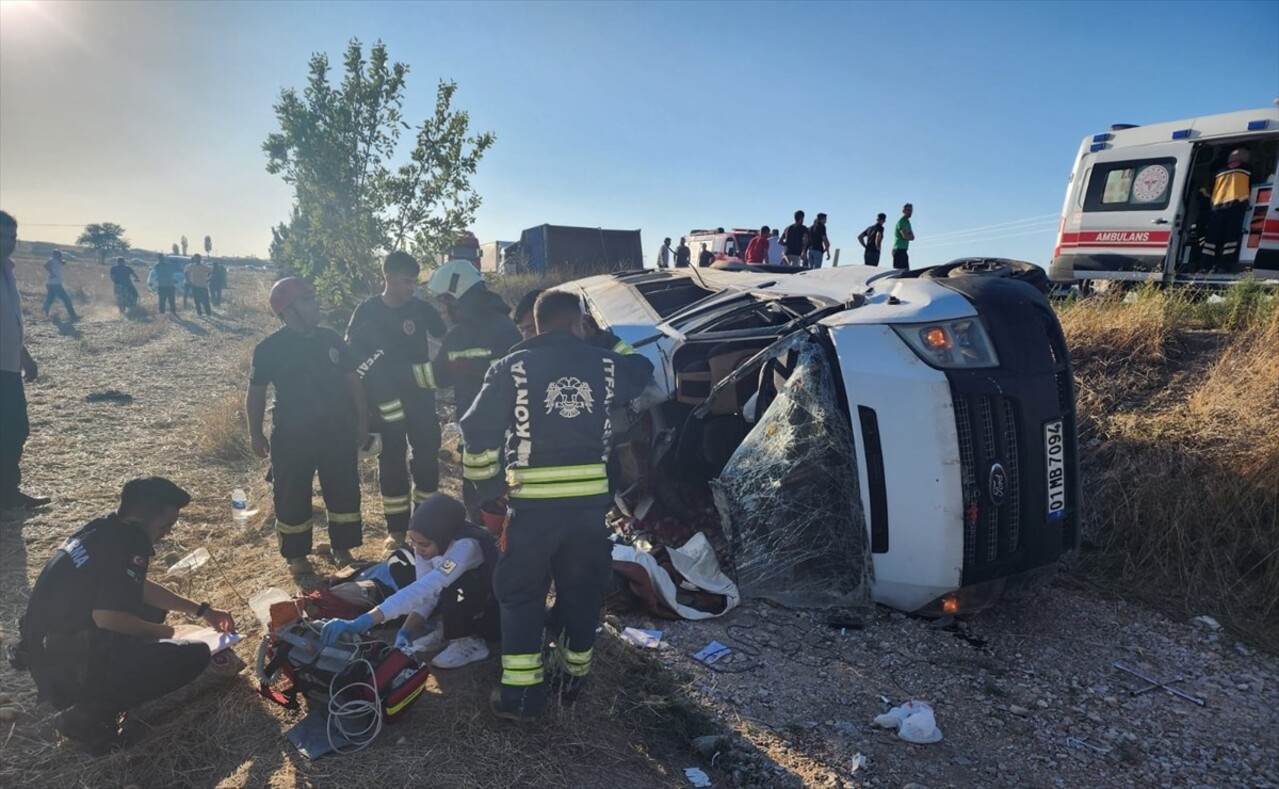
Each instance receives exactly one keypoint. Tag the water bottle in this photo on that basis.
(239, 504)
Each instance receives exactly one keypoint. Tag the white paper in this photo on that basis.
(215, 640)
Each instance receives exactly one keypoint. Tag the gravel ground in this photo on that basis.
(1025, 695)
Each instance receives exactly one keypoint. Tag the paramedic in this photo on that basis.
(391, 334)
(455, 561)
(545, 409)
(93, 635)
(1231, 193)
(319, 422)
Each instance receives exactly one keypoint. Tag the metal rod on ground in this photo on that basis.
(1157, 684)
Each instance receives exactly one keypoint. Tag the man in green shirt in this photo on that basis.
(902, 236)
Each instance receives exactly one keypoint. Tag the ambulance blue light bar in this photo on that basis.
(1097, 146)
(1103, 137)
(1181, 134)
(1255, 125)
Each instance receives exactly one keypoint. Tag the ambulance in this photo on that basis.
(723, 244)
(1136, 207)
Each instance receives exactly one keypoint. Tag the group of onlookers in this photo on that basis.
(800, 245)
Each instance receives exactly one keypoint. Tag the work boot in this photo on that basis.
(522, 708)
(568, 687)
(394, 541)
(300, 567)
(342, 557)
(96, 735)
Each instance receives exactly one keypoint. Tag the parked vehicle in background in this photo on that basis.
(725, 245)
(578, 250)
(1134, 210)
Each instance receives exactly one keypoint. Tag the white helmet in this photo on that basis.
(454, 278)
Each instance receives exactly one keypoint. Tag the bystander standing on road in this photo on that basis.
(664, 254)
(872, 240)
(902, 236)
(817, 243)
(683, 255)
(53, 285)
(793, 238)
(16, 368)
(757, 249)
(776, 251)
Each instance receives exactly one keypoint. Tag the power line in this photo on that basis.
(1027, 220)
(982, 239)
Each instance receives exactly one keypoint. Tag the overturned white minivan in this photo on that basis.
(906, 437)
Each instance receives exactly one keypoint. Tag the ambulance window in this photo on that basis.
(1140, 185)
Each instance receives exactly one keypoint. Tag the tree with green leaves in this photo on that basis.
(184, 245)
(176, 250)
(105, 238)
(208, 245)
(350, 205)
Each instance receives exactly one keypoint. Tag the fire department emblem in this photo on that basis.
(410, 327)
(334, 356)
(569, 396)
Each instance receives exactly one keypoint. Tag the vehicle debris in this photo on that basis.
(1154, 683)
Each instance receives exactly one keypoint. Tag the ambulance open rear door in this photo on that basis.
(1125, 220)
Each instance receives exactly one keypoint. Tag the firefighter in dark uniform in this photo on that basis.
(391, 334)
(1230, 196)
(319, 422)
(93, 635)
(600, 338)
(482, 333)
(544, 410)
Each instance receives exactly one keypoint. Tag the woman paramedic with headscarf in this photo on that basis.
(455, 561)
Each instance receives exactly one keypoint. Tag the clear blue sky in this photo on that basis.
(659, 116)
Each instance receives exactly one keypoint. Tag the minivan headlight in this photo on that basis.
(950, 344)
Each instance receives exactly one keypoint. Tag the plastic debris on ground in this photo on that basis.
(712, 652)
(697, 777)
(649, 639)
(914, 722)
(789, 497)
(858, 762)
(191, 561)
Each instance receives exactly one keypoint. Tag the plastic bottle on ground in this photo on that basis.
(239, 504)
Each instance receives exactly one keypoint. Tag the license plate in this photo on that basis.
(1055, 451)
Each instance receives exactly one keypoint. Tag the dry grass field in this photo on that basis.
(1179, 421)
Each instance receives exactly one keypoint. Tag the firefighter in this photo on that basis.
(93, 634)
(391, 333)
(544, 410)
(600, 338)
(481, 334)
(1231, 193)
(319, 422)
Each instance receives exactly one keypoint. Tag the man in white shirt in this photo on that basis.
(664, 254)
(16, 366)
(53, 285)
(775, 249)
(455, 562)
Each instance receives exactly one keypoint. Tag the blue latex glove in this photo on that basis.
(403, 638)
(336, 628)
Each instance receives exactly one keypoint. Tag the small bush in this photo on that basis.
(224, 435)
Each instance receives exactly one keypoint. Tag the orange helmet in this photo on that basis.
(287, 291)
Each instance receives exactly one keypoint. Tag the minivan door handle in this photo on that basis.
(1159, 221)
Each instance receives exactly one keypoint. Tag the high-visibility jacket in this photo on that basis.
(393, 349)
(606, 339)
(1232, 185)
(483, 334)
(543, 412)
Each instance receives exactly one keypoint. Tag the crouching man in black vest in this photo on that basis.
(93, 635)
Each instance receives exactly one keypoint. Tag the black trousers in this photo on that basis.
(871, 257)
(901, 258)
(167, 295)
(419, 428)
(215, 292)
(569, 545)
(468, 607)
(14, 430)
(1222, 236)
(103, 674)
(297, 455)
(201, 296)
